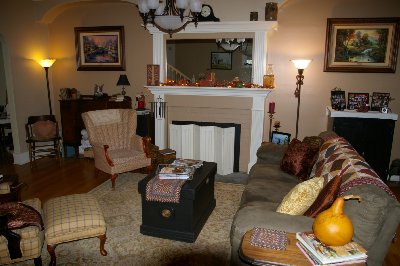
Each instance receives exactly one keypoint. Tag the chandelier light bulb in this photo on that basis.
(143, 8)
(153, 4)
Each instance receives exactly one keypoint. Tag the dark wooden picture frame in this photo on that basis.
(362, 45)
(355, 100)
(100, 48)
(338, 100)
(280, 137)
(379, 100)
(221, 60)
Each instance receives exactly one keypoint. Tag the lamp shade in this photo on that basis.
(301, 63)
(47, 62)
(123, 80)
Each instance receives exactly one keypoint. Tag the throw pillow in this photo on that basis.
(325, 198)
(299, 158)
(300, 198)
(44, 129)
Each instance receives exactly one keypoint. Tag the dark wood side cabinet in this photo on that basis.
(71, 119)
(371, 134)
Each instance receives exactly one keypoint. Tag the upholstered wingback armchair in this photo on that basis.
(116, 147)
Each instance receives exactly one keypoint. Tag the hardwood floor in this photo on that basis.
(48, 179)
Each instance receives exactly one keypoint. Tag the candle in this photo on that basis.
(271, 107)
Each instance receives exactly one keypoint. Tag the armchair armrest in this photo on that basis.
(107, 156)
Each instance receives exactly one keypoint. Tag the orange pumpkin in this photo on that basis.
(332, 227)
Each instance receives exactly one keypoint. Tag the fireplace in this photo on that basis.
(207, 141)
(217, 103)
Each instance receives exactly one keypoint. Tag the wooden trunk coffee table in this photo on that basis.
(265, 256)
(181, 221)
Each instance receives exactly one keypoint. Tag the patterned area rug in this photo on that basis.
(127, 246)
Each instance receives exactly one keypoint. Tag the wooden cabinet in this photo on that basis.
(371, 134)
(71, 119)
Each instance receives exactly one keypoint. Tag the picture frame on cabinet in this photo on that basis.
(362, 44)
(356, 100)
(338, 100)
(280, 137)
(100, 48)
(379, 100)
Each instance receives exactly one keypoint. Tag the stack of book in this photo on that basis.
(171, 171)
(320, 254)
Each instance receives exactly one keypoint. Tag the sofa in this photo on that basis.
(375, 218)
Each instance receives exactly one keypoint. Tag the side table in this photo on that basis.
(265, 256)
(10, 188)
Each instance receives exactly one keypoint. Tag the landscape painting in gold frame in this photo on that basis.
(100, 48)
(361, 45)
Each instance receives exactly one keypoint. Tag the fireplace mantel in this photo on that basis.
(260, 30)
(209, 91)
(258, 96)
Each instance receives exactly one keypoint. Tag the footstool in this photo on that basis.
(70, 218)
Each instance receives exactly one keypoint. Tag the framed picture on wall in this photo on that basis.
(356, 100)
(280, 137)
(362, 44)
(221, 60)
(100, 48)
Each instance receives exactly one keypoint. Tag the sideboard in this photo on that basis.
(71, 119)
(370, 133)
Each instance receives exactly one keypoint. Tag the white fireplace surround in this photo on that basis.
(260, 30)
(258, 96)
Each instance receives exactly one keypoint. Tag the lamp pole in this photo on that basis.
(297, 92)
(46, 64)
(48, 89)
(300, 64)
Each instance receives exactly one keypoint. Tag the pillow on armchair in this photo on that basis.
(301, 156)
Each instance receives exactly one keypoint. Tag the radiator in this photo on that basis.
(207, 143)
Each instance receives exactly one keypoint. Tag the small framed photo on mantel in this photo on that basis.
(356, 100)
(379, 100)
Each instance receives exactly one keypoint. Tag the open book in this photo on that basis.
(330, 254)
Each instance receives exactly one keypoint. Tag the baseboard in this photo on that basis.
(21, 158)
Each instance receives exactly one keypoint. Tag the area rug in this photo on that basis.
(127, 246)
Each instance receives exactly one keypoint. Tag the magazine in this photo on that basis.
(170, 171)
(314, 261)
(189, 162)
(330, 254)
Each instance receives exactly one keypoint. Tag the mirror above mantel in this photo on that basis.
(258, 29)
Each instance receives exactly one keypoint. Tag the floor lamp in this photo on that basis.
(300, 64)
(46, 64)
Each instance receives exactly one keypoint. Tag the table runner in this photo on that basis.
(164, 190)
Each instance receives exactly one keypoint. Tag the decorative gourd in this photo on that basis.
(332, 227)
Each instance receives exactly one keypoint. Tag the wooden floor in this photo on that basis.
(48, 179)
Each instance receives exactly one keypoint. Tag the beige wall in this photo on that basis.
(23, 41)
(138, 52)
(301, 33)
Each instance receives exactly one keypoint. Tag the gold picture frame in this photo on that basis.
(362, 45)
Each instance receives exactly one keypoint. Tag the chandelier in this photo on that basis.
(230, 45)
(170, 16)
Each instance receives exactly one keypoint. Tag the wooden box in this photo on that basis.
(181, 221)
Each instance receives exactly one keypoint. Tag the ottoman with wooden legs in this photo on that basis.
(70, 218)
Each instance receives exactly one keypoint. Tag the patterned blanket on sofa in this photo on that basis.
(337, 157)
